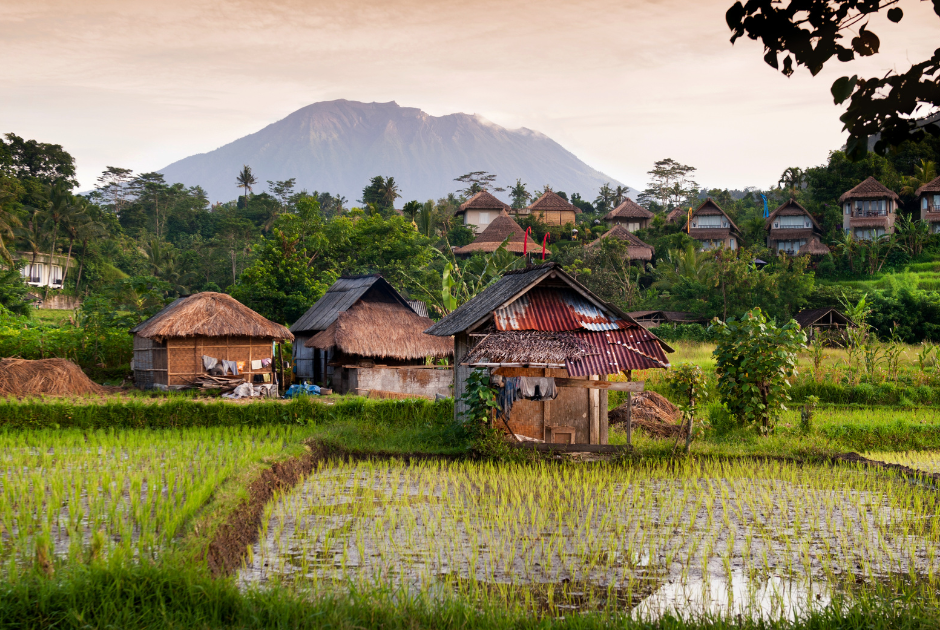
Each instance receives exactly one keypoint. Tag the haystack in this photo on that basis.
(652, 413)
(55, 377)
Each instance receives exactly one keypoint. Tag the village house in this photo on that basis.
(928, 197)
(480, 210)
(551, 209)
(792, 230)
(629, 215)
(540, 323)
(636, 249)
(709, 225)
(43, 270)
(501, 228)
(869, 210)
(362, 336)
(170, 348)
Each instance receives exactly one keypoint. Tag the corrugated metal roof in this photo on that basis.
(555, 310)
(619, 350)
(338, 298)
(491, 298)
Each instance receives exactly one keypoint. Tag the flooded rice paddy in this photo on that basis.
(762, 538)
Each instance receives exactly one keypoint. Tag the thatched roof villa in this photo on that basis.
(636, 249)
(169, 347)
(791, 229)
(869, 210)
(362, 335)
(709, 225)
(929, 198)
(551, 209)
(480, 210)
(630, 215)
(496, 232)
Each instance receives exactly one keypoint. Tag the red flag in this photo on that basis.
(544, 239)
(525, 242)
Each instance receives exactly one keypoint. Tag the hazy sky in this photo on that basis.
(621, 84)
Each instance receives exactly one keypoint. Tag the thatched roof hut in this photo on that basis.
(382, 331)
(630, 214)
(552, 209)
(636, 249)
(493, 236)
(814, 248)
(169, 347)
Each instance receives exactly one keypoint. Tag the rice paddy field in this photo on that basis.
(760, 539)
(70, 496)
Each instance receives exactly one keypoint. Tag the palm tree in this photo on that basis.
(912, 234)
(847, 246)
(926, 172)
(245, 180)
(604, 196)
(8, 221)
(620, 194)
(389, 192)
(58, 209)
(793, 179)
(71, 221)
(85, 232)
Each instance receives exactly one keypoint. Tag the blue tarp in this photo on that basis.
(302, 390)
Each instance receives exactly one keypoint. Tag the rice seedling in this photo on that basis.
(698, 536)
(80, 496)
(927, 461)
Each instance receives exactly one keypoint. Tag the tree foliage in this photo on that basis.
(755, 360)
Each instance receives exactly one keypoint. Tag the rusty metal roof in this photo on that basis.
(619, 350)
(556, 310)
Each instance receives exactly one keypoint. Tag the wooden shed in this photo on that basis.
(363, 335)
(169, 347)
(823, 320)
(541, 322)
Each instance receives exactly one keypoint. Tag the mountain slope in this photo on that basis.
(338, 146)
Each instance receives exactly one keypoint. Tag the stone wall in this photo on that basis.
(414, 381)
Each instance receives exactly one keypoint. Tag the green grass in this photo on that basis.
(50, 316)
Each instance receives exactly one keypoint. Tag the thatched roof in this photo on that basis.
(342, 295)
(382, 330)
(495, 233)
(629, 209)
(552, 202)
(790, 208)
(209, 314)
(710, 207)
(814, 248)
(482, 201)
(871, 188)
(933, 186)
(675, 215)
(636, 249)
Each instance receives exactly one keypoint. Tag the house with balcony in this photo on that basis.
(928, 196)
(42, 270)
(630, 215)
(480, 210)
(709, 225)
(791, 229)
(869, 210)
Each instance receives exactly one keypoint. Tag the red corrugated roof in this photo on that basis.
(619, 350)
(555, 310)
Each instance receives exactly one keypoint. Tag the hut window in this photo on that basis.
(848, 208)
(484, 218)
(923, 203)
(936, 201)
(55, 277)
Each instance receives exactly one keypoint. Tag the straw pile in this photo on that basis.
(56, 377)
(652, 413)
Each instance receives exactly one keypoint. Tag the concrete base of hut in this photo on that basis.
(425, 382)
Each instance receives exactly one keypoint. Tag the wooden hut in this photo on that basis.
(170, 346)
(362, 335)
(827, 320)
(636, 249)
(541, 322)
(496, 232)
(652, 319)
(551, 209)
(631, 215)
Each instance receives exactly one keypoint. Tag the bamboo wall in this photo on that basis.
(178, 361)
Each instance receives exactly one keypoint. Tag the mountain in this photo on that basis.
(338, 146)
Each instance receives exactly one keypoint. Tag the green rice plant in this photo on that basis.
(114, 494)
(661, 536)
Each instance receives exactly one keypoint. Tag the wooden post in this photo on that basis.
(594, 413)
(629, 411)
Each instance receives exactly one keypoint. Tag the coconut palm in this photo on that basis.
(389, 192)
(846, 245)
(245, 180)
(620, 195)
(793, 179)
(924, 173)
